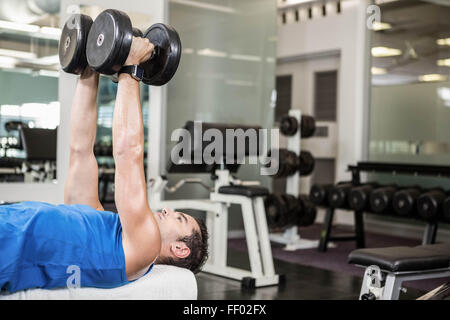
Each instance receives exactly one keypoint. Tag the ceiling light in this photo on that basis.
(443, 62)
(17, 54)
(378, 71)
(443, 42)
(212, 53)
(245, 57)
(18, 26)
(188, 51)
(379, 26)
(385, 52)
(432, 77)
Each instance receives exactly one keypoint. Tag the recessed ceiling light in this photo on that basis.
(443, 42)
(443, 62)
(385, 52)
(378, 26)
(378, 71)
(432, 77)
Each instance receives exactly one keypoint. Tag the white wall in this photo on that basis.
(345, 35)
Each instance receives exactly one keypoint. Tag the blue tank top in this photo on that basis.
(42, 245)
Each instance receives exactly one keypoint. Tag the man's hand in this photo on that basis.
(141, 50)
(88, 72)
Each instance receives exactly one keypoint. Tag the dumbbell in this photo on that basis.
(318, 194)
(276, 210)
(308, 211)
(306, 163)
(446, 210)
(381, 199)
(289, 126)
(337, 196)
(104, 45)
(294, 210)
(72, 43)
(358, 198)
(429, 204)
(109, 43)
(404, 201)
(289, 163)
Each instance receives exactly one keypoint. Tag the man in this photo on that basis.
(42, 245)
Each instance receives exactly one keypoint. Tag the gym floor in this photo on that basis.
(302, 282)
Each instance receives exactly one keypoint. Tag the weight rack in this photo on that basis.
(290, 237)
(430, 232)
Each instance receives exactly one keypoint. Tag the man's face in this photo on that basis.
(174, 225)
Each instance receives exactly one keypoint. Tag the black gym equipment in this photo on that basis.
(308, 211)
(381, 199)
(429, 204)
(289, 163)
(109, 43)
(358, 198)
(446, 210)
(289, 126)
(337, 196)
(306, 163)
(276, 210)
(293, 208)
(72, 43)
(404, 201)
(318, 194)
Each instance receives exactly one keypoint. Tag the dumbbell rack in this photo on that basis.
(290, 237)
(430, 232)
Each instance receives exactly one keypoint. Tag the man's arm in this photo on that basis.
(141, 236)
(82, 180)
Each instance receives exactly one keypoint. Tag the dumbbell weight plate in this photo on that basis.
(109, 41)
(164, 62)
(288, 125)
(308, 211)
(72, 43)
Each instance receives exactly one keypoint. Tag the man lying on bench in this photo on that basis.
(41, 245)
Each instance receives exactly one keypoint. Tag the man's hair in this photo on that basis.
(197, 242)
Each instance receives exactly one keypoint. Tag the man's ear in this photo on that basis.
(180, 249)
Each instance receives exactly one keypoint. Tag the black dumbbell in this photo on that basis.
(381, 199)
(404, 201)
(337, 196)
(294, 210)
(429, 204)
(318, 194)
(308, 211)
(358, 198)
(276, 210)
(72, 43)
(306, 163)
(289, 126)
(446, 210)
(109, 43)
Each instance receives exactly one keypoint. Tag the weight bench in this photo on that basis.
(388, 268)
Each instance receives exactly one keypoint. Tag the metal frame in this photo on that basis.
(387, 285)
